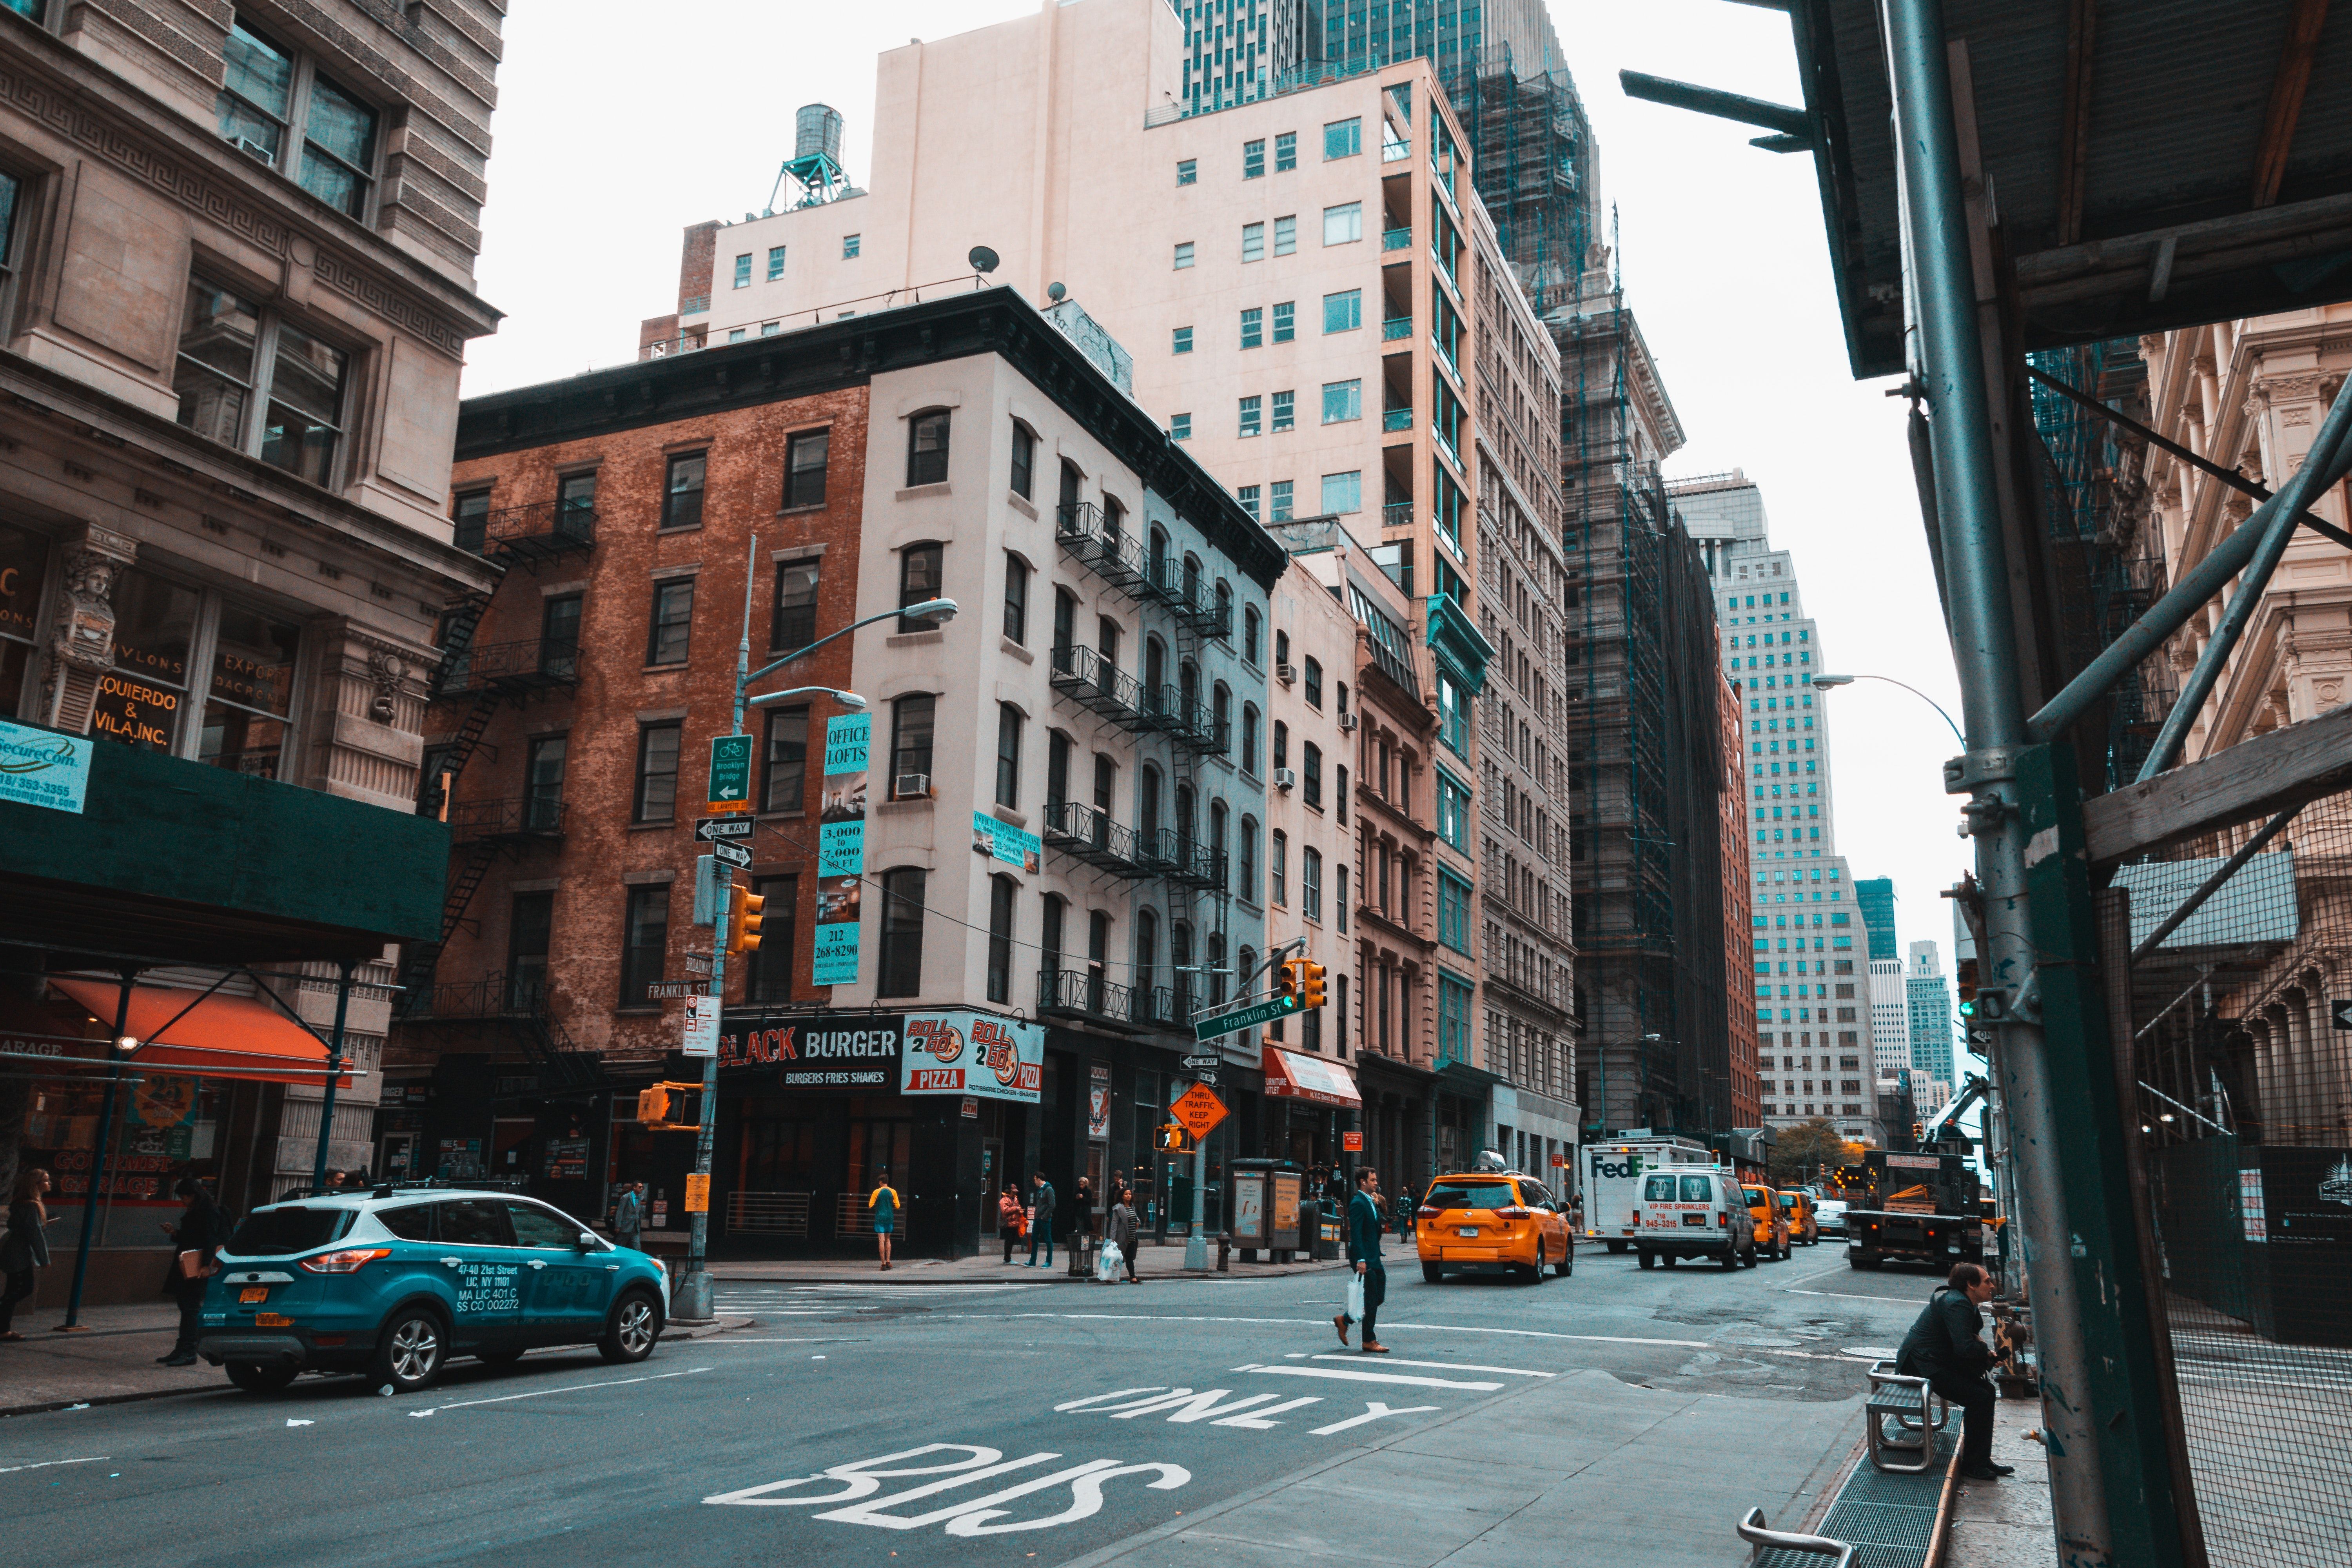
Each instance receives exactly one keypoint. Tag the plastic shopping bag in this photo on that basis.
(1107, 1263)
(1356, 1297)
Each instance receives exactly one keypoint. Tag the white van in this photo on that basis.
(1612, 1183)
(1695, 1213)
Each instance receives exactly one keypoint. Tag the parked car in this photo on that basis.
(1798, 1206)
(1829, 1216)
(1493, 1222)
(1772, 1225)
(394, 1281)
(1696, 1214)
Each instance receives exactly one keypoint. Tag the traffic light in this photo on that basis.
(1968, 987)
(743, 907)
(1170, 1138)
(670, 1107)
(1310, 984)
(1286, 984)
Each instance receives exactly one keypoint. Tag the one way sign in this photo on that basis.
(2343, 1014)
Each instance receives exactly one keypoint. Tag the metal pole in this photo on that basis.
(334, 1061)
(1196, 1246)
(101, 1160)
(1983, 631)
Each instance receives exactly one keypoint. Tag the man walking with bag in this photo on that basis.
(1944, 1347)
(1371, 1276)
(1041, 1226)
(629, 1214)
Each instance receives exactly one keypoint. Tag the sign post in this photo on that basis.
(1217, 1023)
(1200, 1111)
(730, 770)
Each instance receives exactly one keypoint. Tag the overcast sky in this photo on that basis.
(605, 149)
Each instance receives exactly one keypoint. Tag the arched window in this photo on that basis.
(1191, 577)
(926, 448)
(1180, 965)
(1253, 627)
(900, 972)
(1248, 845)
(1217, 842)
(1221, 714)
(1224, 608)
(1249, 738)
(1156, 556)
(1147, 807)
(1281, 649)
(1024, 459)
(1245, 963)
(921, 569)
(1147, 956)
(1216, 966)
(1185, 822)
(1155, 671)
(1000, 939)
(1188, 676)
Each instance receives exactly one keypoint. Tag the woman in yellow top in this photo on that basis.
(883, 1201)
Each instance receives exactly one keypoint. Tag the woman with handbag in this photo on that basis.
(197, 1234)
(1124, 1227)
(27, 1250)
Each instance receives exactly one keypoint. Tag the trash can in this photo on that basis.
(1262, 1205)
(1310, 1228)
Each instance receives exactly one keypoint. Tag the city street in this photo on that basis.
(1187, 1421)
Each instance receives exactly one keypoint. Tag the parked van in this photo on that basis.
(1695, 1213)
(1613, 1174)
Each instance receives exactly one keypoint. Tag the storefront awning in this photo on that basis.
(219, 1036)
(1324, 1081)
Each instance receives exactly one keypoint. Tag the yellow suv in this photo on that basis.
(1771, 1222)
(1493, 1222)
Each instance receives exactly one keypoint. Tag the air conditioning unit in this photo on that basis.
(912, 786)
(1346, 723)
(1285, 778)
(1285, 673)
(255, 150)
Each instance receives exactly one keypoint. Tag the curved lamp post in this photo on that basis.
(1829, 681)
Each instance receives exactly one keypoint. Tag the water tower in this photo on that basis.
(816, 163)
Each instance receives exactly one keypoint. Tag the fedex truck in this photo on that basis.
(1614, 1170)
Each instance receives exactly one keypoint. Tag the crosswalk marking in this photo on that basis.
(1348, 1376)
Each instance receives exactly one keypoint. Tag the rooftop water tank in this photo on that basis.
(816, 130)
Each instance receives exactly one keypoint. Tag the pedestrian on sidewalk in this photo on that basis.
(883, 1201)
(196, 1236)
(1125, 1225)
(1009, 1218)
(26, 1250)
(1041, 1225)
(629, 1214)
(1945, 1347)
(1364, 1252)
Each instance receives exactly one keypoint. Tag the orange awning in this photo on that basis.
(219, 1036)
(1318, 1078)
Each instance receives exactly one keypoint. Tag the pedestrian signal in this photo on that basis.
(1171, 1138)
(1310, 984)
(670, 1107)
(743, 907)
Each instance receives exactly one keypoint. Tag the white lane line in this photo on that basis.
(567, 1388)
(46, 1464)
(1373, 1413)
(1446, 1365)
(739, 1339)
(1429, 1328)
(1335, 1373)
(1818, 1274)
(1851, 1296)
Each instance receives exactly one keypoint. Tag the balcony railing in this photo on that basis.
(1397, 514)
(1200, 731)
(1395, 328)
(1181, 858)
(531, 816)
(493, 995)
(1183, 593)
(516, 668)
(1087, 832)
(1116, 559)
(670, 348)
(1100, 687)
(1085, 992)
(1393, 419)
(1395, 152)
(1396, 238)
(539, 531)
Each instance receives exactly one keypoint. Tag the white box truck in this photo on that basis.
(1614, 1170)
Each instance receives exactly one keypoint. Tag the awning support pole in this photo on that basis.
(101, 1160)
(334, 1062)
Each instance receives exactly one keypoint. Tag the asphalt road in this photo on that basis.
(984, 1423)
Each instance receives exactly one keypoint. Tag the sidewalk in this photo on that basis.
(2007, 1523)
(1151, 1263)
(115, 1361)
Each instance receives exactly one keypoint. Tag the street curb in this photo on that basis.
(1206, 1275)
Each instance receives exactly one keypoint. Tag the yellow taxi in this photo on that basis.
(1804, 1220)
(1493, 1222)
(1772, 1221)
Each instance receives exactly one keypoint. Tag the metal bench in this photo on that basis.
(1918, 1413)
(1770, 1542)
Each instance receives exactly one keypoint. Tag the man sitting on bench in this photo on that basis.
(1944, 1346)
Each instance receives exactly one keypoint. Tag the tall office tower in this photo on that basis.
(1931, 997)
(1877, 896)
(1812, 976)
(1890, 1017)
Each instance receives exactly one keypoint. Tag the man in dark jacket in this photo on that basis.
(1945, 1346)
(1041, 1196)
(1364, 1253)
(198, 1233)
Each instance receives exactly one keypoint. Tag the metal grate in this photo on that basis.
(768, 1214)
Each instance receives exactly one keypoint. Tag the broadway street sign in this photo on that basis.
(1217, 1023)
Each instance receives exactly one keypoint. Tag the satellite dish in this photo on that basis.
(982, 259)
(1055, 291)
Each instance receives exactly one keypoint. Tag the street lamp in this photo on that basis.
(849, 700)
(1826, 681)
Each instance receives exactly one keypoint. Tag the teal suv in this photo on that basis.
(395, 1281)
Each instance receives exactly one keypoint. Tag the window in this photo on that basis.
(1254, 159)
(1344, 492)
(1314, 683)
(1453, 1019)
(656, 796)
(1286, 152)
(530, 923)
(1250, 414)
(1277, 868)
(1453, 810)
(1008, 757)
(1310, 883)
(1182, 341)
(1253, 629)
(849, 246)
(1453, 715)
(1000, 939)
(1454, 912)
(1246, 847)
(920, 570)
(1248, 496)
(230, 351)
(1016, 599)
(1024, 459)
(1286, 234)
(470, 514)
(900, 973)
(786, 776)
(1285, 321)
(1344, 224)
(1253, 327)
(911, 719)
(645, 943)
(927, 448)
(543, 805)
(794, 624)
(775, 271)
(1343, 401)
(682, 495)
(1343, 313)
(770, 977)
(1281, 730)
(1183, 254)
(1188, 171)
(1342, 138)
(1219, 820)
(1249, 738)
(804, 459)
(743, 270)
(1254, 242)
(1180, 427)
(1310, 774)
(1340, 908)
(263, 92)
(559, 635)
(1286, 411)
(1278, 493)
(673, 617)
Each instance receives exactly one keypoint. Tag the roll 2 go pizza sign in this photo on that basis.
(973, 1053)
